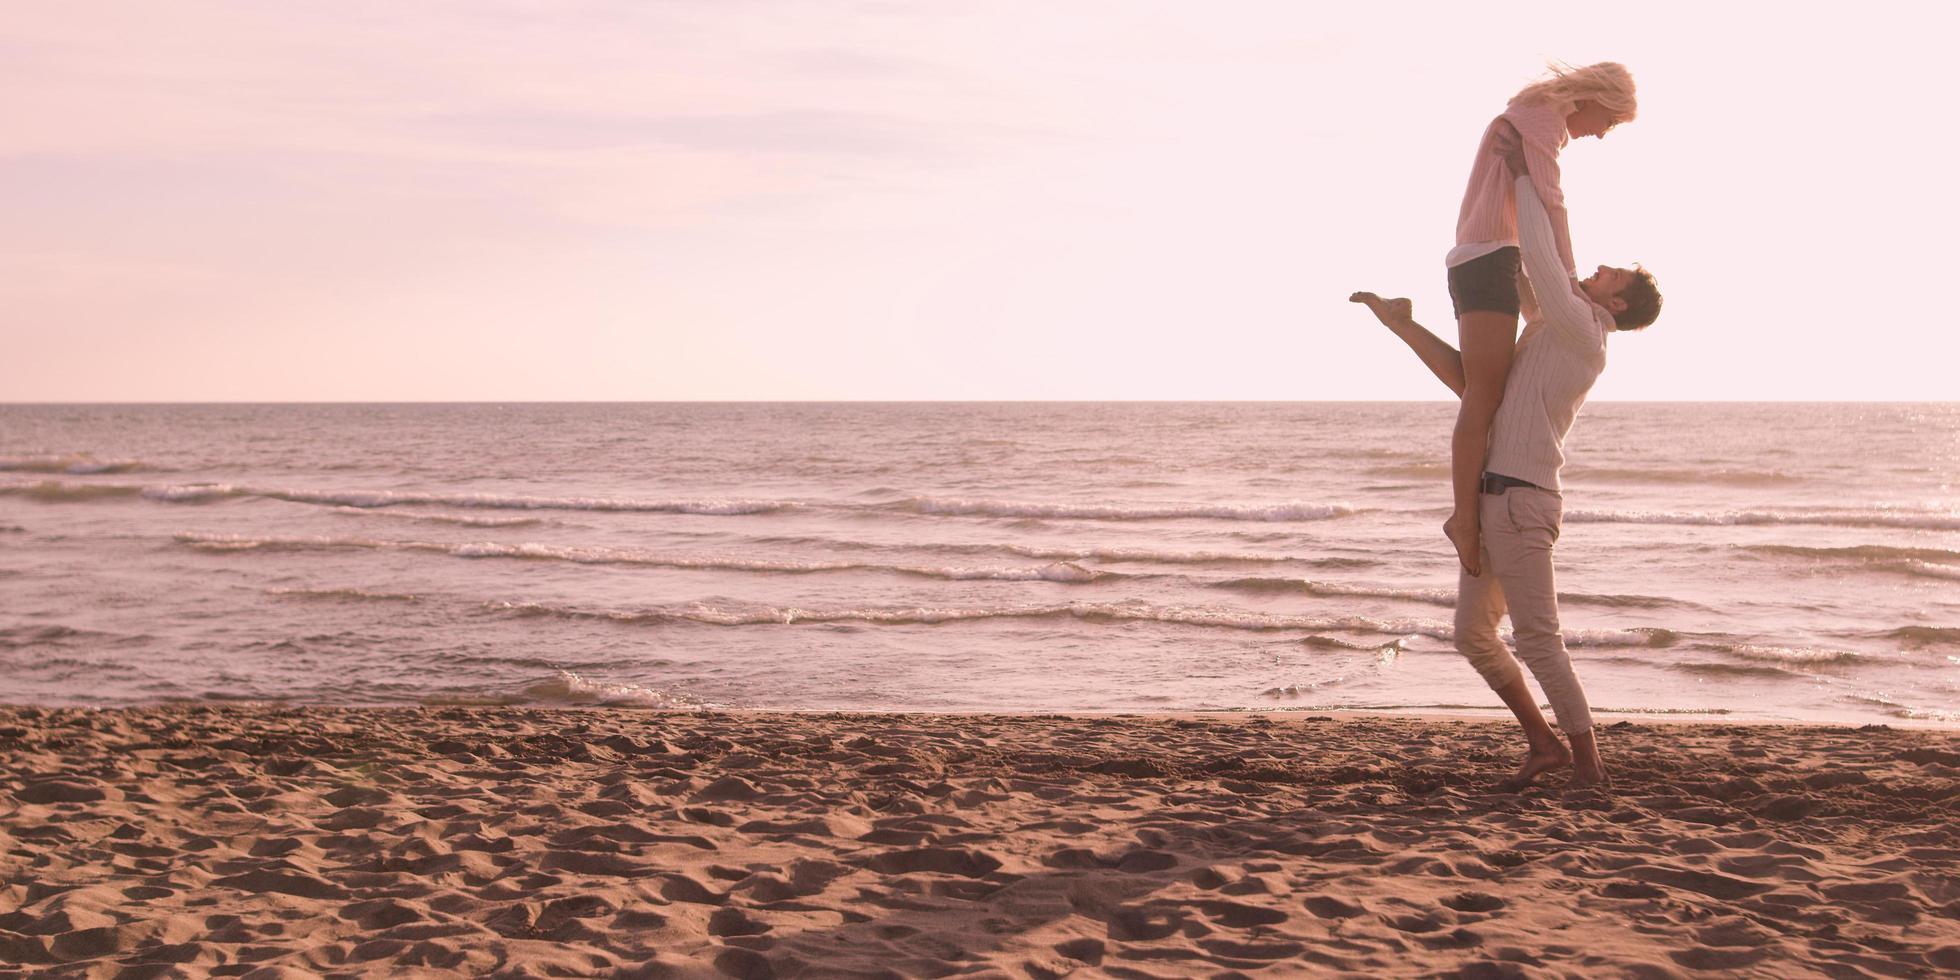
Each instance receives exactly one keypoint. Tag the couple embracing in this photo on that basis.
(1520, 394)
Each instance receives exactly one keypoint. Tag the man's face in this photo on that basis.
(1605, 284)
(1589, 118)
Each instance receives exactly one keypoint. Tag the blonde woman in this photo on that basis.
(1484, 266)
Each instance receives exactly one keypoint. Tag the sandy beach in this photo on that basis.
(288, 842)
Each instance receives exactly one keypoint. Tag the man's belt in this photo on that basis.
(1496, 483)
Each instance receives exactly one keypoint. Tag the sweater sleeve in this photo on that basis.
(1542, 132)
(1570, 316)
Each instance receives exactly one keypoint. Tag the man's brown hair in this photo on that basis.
(1643, 298)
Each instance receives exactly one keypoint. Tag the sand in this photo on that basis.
(288, 842)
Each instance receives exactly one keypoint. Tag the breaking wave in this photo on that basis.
(710, 614)
(76, 464)
(1725, 477)
(1133, 555)
(1793, 656)
(206, 492)
(1938, 563)
(1434, 597)
(1066, 572)
(344, 595)
(1859, 518)
(1294, 511)
(50, 491)
(1877, 552)
(1924, 636)
(1282, 585)
(715, 506)
(569, 688)
(464, 520)
(1615, 474)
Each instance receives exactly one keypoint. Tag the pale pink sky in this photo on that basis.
(212, 200)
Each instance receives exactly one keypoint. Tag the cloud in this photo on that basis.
(795, 131)
(845, 63)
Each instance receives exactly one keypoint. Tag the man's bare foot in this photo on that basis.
(1393, 312)
(1588, 777)
(1539, 762)
(1468, 539)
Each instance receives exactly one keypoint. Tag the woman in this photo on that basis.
(1484, 265)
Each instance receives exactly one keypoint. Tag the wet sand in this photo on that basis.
(288, 842)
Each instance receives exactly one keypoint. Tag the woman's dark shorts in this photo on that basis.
(1487, 283)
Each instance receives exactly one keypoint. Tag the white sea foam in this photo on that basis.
(1709, 474)
(1639, 636)
(743, 506)
(569, 688)
(1616, 474)
(344, 594)
(1859, 552)
(1804, 656)
(1283, 584)
(1917, 562)
(1921, 636)
(719, 506)
(77, 464)
(194, 493)
(1139, 555)
(464, 520)
(1149, 556)
(1064, 572)
(368, 499)
(1210, 617)
(1433, 597)
(53, 491)
(1848, 518)
(1292, 511)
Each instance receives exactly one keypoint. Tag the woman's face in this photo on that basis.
(1589, 118)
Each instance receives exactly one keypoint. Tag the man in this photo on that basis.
(1560, 354)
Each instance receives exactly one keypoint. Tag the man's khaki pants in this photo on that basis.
(1520, 526)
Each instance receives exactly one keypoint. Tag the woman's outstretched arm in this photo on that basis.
(1436, 353)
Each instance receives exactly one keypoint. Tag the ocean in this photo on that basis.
(1788, 562)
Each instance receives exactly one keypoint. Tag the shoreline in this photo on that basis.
(275, 841)
(1494, 715)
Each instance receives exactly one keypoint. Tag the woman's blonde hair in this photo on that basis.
(1607, 83)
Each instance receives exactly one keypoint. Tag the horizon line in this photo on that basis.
(963, 401)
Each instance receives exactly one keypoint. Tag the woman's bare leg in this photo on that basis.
(1487, 340)
(1437, 355)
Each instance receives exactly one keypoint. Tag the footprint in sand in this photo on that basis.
(1237, 915)
(1329, 907)
(944, 860)
(735, 922)
(1474, 902)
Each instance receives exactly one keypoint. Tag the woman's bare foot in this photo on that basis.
(1468, 539)
(1539, 762)
(1392, 312)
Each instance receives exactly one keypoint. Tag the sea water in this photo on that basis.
(1745, 561)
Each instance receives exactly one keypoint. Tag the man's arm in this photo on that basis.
(1539, 136)
(1568, 313)
(1442, 360)
(1569, 310)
